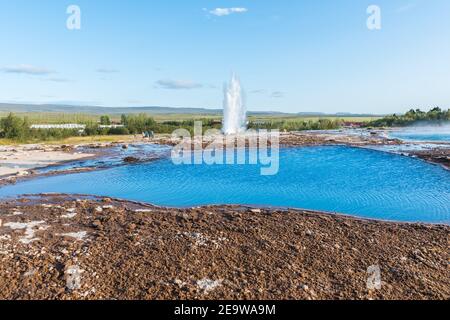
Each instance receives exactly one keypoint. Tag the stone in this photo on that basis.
(97, 224)
(131, 160)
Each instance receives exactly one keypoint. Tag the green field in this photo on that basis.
(62, 118)
(73, 140)
(16, 127)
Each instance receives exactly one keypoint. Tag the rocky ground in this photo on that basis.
(315, 139)
(67, 247)
(438, 156)
(304, 139)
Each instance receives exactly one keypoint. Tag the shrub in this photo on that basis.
(13, 127)
(413, 116)
(105, 120)
(118, 131)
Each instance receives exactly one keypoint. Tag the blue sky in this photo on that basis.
(291, 56)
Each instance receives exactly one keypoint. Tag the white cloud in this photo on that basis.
(178, 84)
(107, 70)
(277, 94)
(27, 69)
(221, 12)
(258, 91)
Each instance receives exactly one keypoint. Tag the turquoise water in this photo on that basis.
(422, 135)
(113, 157)
(354, 181)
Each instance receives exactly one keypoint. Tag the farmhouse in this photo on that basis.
(59, 126)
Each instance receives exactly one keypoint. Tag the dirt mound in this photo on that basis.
(61, 247)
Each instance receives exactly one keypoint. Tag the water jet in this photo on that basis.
(234, 111)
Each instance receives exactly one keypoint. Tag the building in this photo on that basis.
(69, 126)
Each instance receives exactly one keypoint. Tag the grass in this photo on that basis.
(61, 118)
(71, 140)
(308, 118)
(9, 142)
(91, 139)
(55, 118)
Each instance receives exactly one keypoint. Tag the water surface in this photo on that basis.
(354, 181)
(422, 134)
(112, 157)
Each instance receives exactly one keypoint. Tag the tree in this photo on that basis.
(91, 129)
(105, 121)
(13, 127)
(138, 123)
(124, 119)
(435, 114)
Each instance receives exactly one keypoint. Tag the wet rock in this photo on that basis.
(131, 160)
(304, 287)
(67, 148)
(97, 224)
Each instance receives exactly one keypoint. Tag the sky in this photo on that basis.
(291, 55)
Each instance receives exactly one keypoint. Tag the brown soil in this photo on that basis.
(316, 139)
(437, 156)
(307, 139)
(137, 251)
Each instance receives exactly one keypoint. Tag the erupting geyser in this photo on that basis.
(234, 113)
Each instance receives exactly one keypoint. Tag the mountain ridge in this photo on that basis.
(72, 109)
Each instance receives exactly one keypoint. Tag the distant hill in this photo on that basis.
(95, 110)
(338, 114)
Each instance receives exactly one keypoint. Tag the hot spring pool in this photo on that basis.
(359, 182)
(422, 134)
